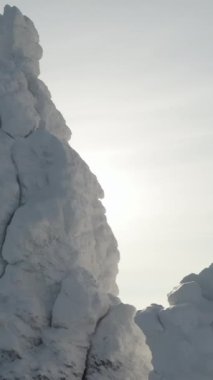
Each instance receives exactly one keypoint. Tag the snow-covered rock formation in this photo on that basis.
(60, 318)
(181, 336)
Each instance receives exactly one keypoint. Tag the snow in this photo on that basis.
(25, 101)
(59, 315)
(118, 350)
(181, 336)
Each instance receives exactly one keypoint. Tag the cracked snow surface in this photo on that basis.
(59, 315)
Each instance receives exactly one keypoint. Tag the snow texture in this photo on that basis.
(181, 336)
(59, 315)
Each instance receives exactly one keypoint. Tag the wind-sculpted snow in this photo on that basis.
(181, 336)
(59, 317)
(118, 349)
(9, 192)
(25, 102)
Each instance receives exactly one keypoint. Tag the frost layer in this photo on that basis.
(58, 257)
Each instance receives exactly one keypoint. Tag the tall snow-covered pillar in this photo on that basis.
(60, 318)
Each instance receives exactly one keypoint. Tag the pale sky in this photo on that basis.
(134, 81)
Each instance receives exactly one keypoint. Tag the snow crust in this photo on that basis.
(59, 315)
(181, 336)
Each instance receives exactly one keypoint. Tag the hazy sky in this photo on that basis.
(134, 80)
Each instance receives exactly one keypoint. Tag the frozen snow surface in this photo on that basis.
(60, 318)
(181, 336)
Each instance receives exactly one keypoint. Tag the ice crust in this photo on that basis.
(60, 318)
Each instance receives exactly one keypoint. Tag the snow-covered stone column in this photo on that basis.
(58, 256)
